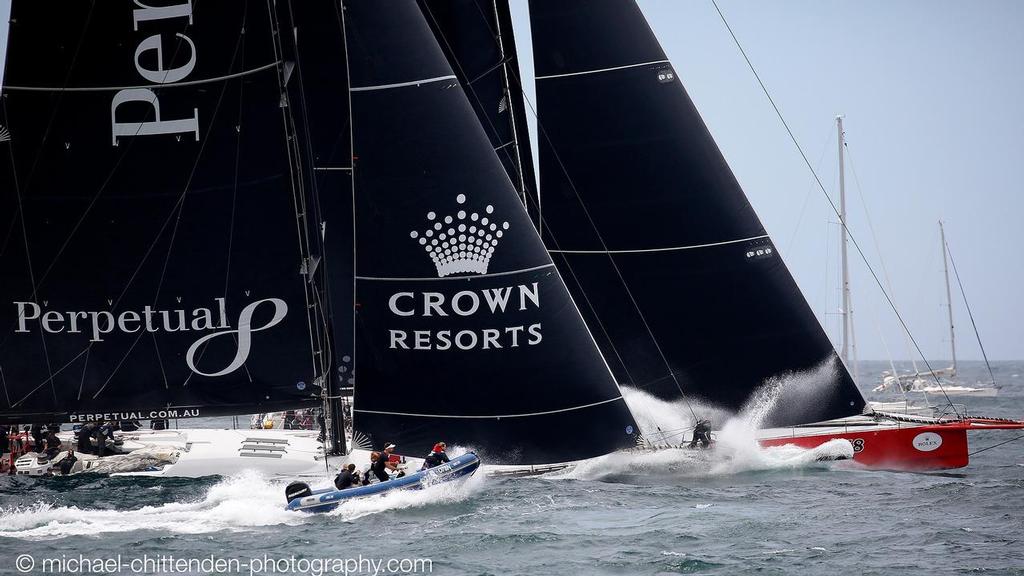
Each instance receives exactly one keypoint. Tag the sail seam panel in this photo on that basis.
(599, 70)
(494, 416)
(401, 84)
(149, 86)
(669, 249)
(535, 268)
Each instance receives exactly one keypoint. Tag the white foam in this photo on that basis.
(736, 447)
(242, 501)
(238, 503)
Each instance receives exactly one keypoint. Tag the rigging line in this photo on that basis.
(472, 90)
(28, 259)
(810, 190)
(996, 445)
(340, 16)
(611, 258)
(540, 219)
(835, 209)
(510, 78)
(295, 174)
(175, 214)
(878, 247)
(99, 191)
(4, 382)
(970, 314)
(239, 47)
(28, 183)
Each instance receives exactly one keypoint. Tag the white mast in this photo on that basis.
(949, 297)
(847, 306)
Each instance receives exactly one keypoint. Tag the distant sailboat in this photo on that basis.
(943, 381)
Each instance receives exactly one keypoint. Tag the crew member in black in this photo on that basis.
(436, 457)
(701, 434)
(37, 437)
(84, 434)
(99, 435)
(347, 478)
(52, 444)
(68, 463)
(379, 466)
(5, 442)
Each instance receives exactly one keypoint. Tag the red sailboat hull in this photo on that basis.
(910, 447)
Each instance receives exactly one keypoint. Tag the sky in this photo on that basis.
(929, 91)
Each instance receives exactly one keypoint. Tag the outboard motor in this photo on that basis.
(297, 490)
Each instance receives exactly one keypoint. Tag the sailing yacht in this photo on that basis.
(201, 222)
(677, 275)
(234, 208)
(942, 381)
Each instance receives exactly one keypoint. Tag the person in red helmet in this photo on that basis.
(436, 457)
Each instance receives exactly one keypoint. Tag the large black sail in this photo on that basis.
(148, 203)
(465, 332)
(675, 273)
(478, 39)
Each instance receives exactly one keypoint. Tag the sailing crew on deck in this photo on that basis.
(436, 457)
(52, 444)
(702, 434)
(68, 463)
(84, 434)
(37, 437)
(347, 478)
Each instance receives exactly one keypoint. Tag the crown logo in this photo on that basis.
(462, 243)
(5, 135)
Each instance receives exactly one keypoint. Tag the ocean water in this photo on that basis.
(736, 510)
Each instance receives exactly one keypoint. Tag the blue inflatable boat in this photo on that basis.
(300, 497)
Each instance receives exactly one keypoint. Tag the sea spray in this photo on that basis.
(736, 447)
(242, 501)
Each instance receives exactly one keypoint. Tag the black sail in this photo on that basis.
(478, 39)
(465, 331)
(684, 290)
(150, 242)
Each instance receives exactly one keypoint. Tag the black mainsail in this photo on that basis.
(153, 247)
(683, 288)
(465, 331)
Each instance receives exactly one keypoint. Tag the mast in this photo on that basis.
(848, 343)
(949, 297)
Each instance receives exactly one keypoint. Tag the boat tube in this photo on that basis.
(300, 497)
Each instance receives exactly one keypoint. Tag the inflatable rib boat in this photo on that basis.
(301, 497)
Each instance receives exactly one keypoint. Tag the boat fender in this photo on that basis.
(297, 490)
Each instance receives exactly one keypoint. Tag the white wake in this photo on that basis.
(736, 448)
(242, 502)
